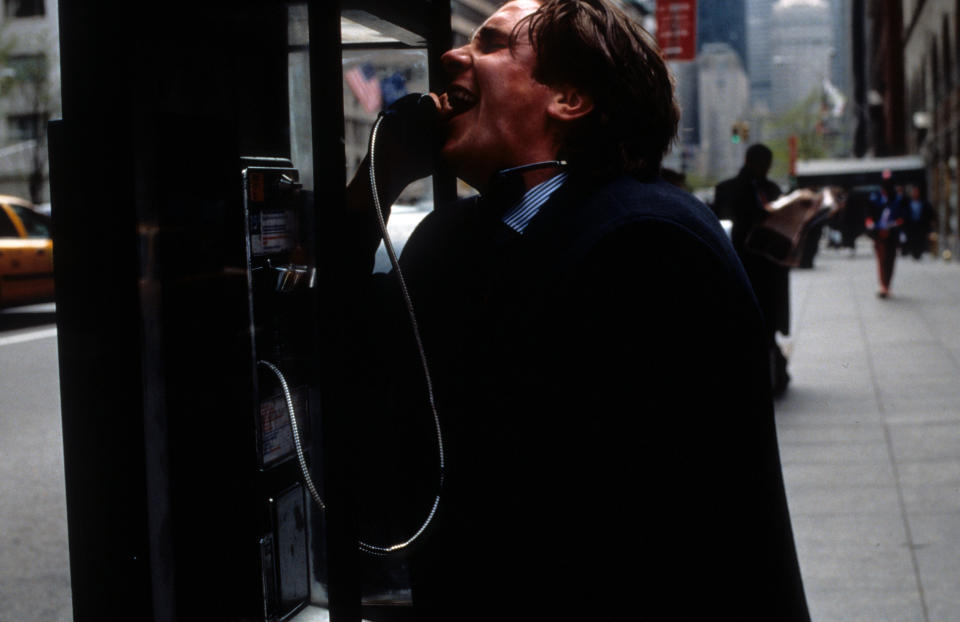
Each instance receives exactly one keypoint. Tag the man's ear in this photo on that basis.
(569, 104)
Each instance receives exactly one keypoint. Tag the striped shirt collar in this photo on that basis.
(519, 216)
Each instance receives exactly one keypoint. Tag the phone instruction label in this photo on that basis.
(275, 432)
(270, 232)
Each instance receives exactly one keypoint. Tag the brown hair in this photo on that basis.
(592, 45)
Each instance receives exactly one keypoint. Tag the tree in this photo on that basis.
(805, 121)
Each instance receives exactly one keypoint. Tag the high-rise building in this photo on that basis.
(724, 92)
(841, 62)
(724, 22)
(759, 52)
(801, 46)
(716, 24)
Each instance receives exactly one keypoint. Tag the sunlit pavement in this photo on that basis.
(870, 438)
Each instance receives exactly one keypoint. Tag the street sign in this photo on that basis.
(677, 29)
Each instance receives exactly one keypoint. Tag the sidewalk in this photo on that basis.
(870, 438)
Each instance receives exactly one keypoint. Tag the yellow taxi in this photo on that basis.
(26, 254)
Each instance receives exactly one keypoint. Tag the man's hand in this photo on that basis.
(407, 142)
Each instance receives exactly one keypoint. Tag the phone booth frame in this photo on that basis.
(153, 303)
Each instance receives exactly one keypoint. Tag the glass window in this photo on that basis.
(27, 67)
(298, 81)
(25, 126)
(378, 70)
(37, 225)
(23, 8)
(7, 230)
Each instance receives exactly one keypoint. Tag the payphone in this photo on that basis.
(187, 340)
(279, 281)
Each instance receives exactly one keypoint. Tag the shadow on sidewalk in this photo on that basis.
(18, 318)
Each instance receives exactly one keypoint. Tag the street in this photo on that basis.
(869, 435)
(34, 562)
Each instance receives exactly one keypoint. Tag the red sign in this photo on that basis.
(677, 29)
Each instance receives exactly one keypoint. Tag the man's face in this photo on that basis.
(495, 112)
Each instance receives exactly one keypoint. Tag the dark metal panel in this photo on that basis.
(100, 398)
(439, 40)
(338, 523)
(96, 265)
(152, 308)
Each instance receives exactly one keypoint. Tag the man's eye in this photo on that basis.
(491, 41)
(493, 46)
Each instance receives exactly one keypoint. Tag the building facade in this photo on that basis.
(926, 122)
(759, 53)
(802, 44)
(723, 24)
(29, 94)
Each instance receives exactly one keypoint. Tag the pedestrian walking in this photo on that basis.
(883, 225)
(918, 222)
(744, 200)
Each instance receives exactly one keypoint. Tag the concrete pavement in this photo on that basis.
(34, 560)
(870, 438)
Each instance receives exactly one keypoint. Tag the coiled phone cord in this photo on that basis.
(366, 547)
(295, 431)
(414, 325)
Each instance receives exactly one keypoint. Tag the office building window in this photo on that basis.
(23, 8)
(27, 67)
(25, 126)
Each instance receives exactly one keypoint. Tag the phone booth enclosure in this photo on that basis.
(170, 170)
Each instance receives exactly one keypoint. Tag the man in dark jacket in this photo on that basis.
(918, 220)
(743, 199)
(608, 451)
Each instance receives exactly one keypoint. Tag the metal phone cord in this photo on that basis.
(366, 547)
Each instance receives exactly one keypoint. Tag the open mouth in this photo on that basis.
(459, 100)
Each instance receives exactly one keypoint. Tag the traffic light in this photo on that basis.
(740, 132)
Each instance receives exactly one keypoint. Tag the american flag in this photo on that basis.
(365, 86)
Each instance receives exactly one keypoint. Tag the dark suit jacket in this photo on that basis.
(736, 199)
(610, 449)
(917, 230)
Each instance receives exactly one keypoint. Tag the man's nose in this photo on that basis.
(455, 61)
